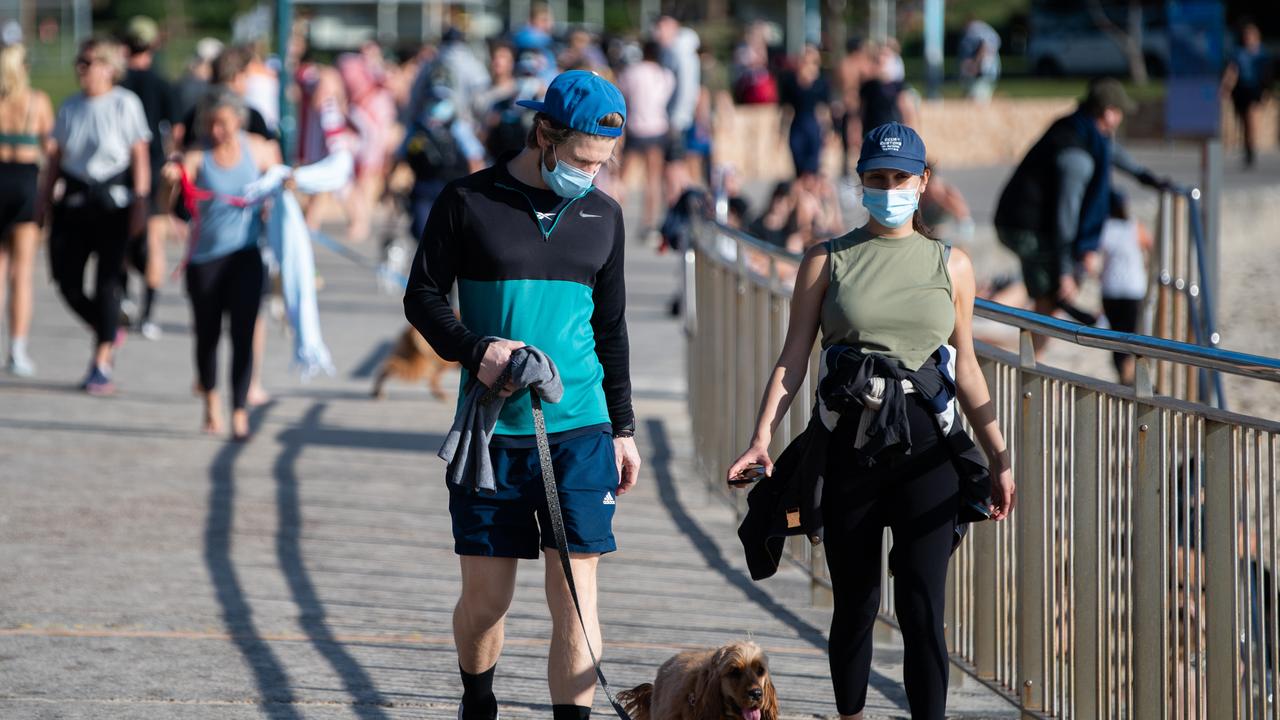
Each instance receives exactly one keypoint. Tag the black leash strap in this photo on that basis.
(562, 544)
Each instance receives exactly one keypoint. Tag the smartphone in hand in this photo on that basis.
(751, 474)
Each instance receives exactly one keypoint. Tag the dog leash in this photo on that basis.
(557, 518)
(562, 545)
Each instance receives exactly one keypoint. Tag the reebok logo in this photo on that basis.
(545, 216)
(891, 144)
(608, 499)
(586, 215)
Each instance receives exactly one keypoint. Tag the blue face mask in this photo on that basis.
(891, 208)
(566, 180)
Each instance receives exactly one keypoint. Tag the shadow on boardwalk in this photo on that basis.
(272, 680)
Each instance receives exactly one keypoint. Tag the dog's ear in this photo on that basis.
(769, 703)
(708, 703)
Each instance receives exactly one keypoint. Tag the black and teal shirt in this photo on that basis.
(534, 267)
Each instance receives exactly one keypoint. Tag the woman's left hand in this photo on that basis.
(1003, 494)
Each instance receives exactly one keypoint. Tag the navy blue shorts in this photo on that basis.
(514, 521)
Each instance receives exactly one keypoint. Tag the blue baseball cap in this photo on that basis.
(579, 99)
(894, 146)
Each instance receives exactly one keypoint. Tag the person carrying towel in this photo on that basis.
(537, 256)
(886, 289)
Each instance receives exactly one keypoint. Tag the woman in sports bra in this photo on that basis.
(26, 118)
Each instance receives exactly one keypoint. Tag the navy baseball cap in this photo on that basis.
(894, 146)
(579, 99)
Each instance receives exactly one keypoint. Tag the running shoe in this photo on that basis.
(20, 365)
(98, 383)
(150, 330)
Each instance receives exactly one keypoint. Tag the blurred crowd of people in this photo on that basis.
(412, 121)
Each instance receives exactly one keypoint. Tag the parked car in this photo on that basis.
(1070, 42)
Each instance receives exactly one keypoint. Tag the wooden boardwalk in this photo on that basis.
(150, 571)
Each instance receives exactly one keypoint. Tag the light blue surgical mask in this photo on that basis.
(891, 208)
(566, 180)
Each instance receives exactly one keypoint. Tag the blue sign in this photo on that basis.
(1197, 31)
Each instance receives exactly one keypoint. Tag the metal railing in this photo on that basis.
(1135, 577)
(1181, 304)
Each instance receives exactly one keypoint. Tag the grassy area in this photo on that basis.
(1016, 83)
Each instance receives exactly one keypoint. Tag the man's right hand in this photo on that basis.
(1067, 288)
(496, 358)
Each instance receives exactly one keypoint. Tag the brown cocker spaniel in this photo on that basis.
(728, 682)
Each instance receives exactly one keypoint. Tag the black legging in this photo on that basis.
(916, 496)
(230, 285)
(78, 233)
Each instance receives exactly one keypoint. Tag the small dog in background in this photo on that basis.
(412, 360)
(728, 682)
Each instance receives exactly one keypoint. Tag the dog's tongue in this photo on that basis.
(753, 714)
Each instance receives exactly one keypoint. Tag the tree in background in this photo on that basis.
(1128, 38)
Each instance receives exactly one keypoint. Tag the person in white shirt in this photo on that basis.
(100, 149)
(647, 88)
(1123, 248)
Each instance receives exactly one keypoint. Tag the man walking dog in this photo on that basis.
(537, 256)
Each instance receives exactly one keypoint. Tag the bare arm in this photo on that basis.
(52, 171)
(1229, 78)
(172, 178)
(140, 156)
(784, 382)
(44, 121)
(266, 154)
(971, 387)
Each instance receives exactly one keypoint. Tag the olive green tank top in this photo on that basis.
(890, 296)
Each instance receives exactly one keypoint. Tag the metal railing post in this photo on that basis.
(983, 537)
(1086, 555)
(1029, 518)
(1151, 658)
(1222, 562)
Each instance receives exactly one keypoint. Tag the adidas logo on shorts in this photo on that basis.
(608, 499)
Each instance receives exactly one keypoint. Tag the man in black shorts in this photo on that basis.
(536, 253)
(146, 252)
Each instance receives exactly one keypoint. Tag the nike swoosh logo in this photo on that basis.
(586, 215)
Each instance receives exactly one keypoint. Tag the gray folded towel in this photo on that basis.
(466, 448)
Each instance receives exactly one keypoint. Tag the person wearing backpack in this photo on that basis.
(439, 147)
(1052, 210)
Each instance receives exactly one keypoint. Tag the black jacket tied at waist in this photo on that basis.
(789, 502)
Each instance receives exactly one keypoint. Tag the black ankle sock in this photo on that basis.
(148, 298)
(570, 712)
(478, 702)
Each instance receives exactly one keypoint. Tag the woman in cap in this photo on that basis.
(890, 295)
